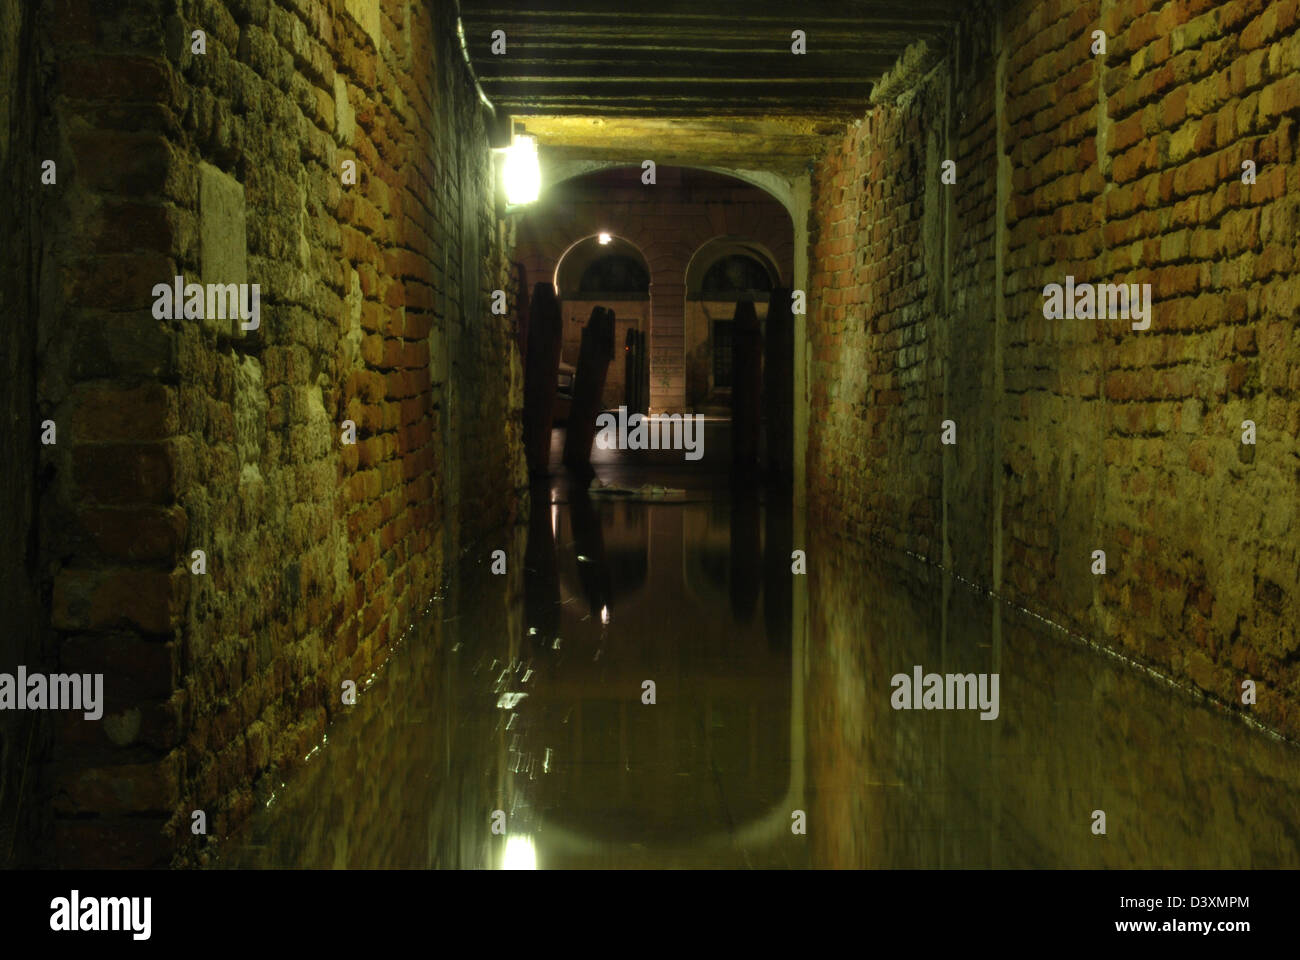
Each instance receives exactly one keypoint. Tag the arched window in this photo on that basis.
(729, 270)
(614, 274)
(613, 270)
(736, 277)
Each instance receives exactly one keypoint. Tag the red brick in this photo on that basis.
(137, 533)
(117, 79)
(116, 413)
(125, 473)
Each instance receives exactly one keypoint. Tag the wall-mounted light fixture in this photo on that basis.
(521, 174)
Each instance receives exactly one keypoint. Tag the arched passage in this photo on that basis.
(724, 271)
(608, 271)
(667, 221)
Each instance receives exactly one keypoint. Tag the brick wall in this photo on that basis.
(184, 435)
(21, 638)
(409, 814)
(1077, 435)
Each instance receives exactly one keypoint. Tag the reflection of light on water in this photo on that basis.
(604, 615)
(555, 519)
(520, 854)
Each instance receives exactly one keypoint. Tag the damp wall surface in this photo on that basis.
(23, 636)
(1076, 435)
(230, 164)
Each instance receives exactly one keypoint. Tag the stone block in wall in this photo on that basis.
(130, 788)
(366, 13)
(345, 118)
(108, 344)
(113, 413)
(135, 670)
(137, 533)
(131, 599)
(125, 473)
(223, 242)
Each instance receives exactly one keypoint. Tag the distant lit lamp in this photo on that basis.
(520, 854)
(521, 172)
(604, 238)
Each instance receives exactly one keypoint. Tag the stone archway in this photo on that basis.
(667, 221)
(721, 273)
(607, 270)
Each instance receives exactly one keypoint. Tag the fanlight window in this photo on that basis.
(614, 274)
(736, 277)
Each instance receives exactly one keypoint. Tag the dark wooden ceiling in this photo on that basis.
(683, 58)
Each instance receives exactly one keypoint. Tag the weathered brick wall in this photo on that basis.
(21, 638)
(1077, 435)
(872, 326)
(393, 796)
(227, 166)
(668, 222)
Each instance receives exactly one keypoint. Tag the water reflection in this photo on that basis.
(1181, 784)
(520, 705)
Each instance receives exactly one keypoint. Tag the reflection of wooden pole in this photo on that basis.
(630, 371)
(746, 385)
(594, 357)
(589, 542)
(542, 577)
(636, 393)
(778, 384)
(746, 550)
(635, 387)
(540, 375)
(643, 363)
(645, 371)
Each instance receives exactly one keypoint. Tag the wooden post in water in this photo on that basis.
(639, 366)
(630, 371)
(594, 358)
(541, 372)
(746, 386)
(635, 372)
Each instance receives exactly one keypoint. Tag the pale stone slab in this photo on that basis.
(223, 241)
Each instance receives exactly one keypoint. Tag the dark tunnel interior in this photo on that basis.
(576, 434)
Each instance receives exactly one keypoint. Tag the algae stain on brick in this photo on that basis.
(351, 339)
(250, 418)
(345, 118)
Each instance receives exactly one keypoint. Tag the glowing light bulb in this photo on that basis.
(523, 176)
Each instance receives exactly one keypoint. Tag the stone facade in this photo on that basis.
(229, 165)
(1078, 435)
